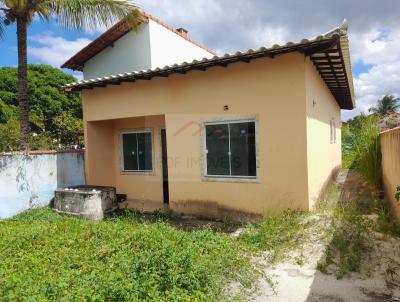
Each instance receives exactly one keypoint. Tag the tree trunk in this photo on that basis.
(23, 81)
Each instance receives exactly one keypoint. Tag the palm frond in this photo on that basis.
(93, 14)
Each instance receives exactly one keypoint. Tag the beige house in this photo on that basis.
(240, 134)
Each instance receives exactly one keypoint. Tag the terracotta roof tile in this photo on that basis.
(329, 53)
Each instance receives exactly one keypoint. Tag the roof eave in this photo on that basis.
(329, 53)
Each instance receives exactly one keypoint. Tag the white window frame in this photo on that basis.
(205, 151)
(136, 131)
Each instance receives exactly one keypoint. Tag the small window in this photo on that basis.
(231, 149)
(137, 151)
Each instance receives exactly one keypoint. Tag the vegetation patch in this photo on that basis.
(386, 222)
(55, 118)
(361, 147)
(397, 194)
(49, 257)
(350, 241)
(276, 233)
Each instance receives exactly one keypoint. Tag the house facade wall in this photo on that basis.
(100, 153)
(130, 53)
(270, 91)
(140, 186)
(324, 156)
(168, 48)
(29, 180)
(151, 46)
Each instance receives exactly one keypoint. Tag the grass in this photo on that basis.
(349, 233)
(386, 222)
(276, 233)
(351, 238)
(361, 148)
(132, 257)
(350, 242)
(49, 257)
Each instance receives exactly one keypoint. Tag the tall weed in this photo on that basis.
(361, 148)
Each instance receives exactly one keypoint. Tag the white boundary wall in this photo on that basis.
(29, 180)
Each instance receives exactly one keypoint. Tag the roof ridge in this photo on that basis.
(336, 32)
(342, 29)
(319, 49)
(174, 30)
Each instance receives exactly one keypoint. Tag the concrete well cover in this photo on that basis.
(90, 202)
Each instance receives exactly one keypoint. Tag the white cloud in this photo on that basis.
(52, 50)
(378, 48)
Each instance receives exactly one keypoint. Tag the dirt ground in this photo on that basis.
(298, 281)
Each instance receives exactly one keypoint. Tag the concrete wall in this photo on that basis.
(390, 144)
(168, 48)
(129, 53)
(28, 181)
(271, 91)
(324, 157)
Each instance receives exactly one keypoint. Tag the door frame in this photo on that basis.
(164, 161)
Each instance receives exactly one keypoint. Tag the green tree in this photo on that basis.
(5, 112)
(46, 99)
(9, 135)
(388, 104)
(71, 14)
(68, 128)
(48, 107)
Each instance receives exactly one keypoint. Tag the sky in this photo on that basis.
(231, 25)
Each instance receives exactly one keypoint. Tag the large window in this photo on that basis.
(137, 151)
(231, 149)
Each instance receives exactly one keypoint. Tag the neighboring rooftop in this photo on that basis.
(390, 121)
(329, 53)
(117, 31)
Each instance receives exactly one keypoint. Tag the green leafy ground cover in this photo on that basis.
(49, 257)
(45, 256)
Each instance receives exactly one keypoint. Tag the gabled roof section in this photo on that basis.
(117, 31)
(329, 53)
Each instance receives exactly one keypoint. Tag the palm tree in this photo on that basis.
(388, 104)
(71, 14)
